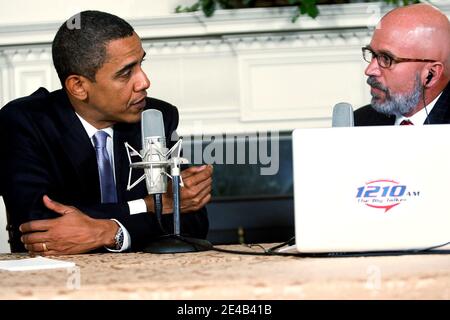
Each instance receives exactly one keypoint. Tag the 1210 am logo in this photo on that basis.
(384, 194)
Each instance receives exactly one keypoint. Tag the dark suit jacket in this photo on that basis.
(47, 151)
(367, 116)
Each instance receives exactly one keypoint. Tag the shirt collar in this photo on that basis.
(419, 117)
(91, 130)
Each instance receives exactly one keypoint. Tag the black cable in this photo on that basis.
(432, 248)
(424, 105)
(157, 200)
(429, 250)
(290, 242)
(270, 252)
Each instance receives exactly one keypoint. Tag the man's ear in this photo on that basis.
(77, 86)
(433, 73)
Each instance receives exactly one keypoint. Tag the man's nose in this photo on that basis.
(373, 69)
(142, 83)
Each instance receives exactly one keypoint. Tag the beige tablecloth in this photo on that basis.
(216, 275)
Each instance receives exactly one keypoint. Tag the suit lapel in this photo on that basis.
(77, 146)
(441, 111)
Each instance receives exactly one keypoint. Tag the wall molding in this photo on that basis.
(259, 42)
(224, 22)
(240, 70)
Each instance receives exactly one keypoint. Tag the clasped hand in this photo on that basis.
(75, 232)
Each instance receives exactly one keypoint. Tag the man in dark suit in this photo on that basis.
(408, 69)
(50, 174)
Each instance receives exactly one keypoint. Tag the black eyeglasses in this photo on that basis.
(385, 60)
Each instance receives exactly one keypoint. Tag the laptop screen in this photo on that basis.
(371, 188)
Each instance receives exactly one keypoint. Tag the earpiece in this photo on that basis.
(428, 80)
(429, 77)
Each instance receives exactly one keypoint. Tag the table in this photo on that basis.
(217, 275)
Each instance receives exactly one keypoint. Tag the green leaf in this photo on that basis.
(208, 7)
(309, 7)
(194, 7)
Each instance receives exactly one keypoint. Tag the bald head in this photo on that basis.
(409, 59)
(419, 31)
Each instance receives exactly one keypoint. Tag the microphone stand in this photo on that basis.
(157, 200)
(176, 243)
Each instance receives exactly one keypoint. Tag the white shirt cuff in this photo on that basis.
(126, 239)
(137, 206)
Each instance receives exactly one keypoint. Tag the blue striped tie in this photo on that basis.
(107, 185)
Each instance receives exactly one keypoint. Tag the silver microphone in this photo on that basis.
(342, 115)
(155, 161)
(154, 150)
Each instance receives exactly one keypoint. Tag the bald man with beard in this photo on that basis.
(408, 69)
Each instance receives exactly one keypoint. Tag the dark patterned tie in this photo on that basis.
(406, 122)
(107, 185)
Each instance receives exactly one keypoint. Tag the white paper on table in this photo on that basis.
(38, 263)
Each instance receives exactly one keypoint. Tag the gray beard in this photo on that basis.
(396, 104)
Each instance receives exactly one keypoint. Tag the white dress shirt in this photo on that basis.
(135, 206)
